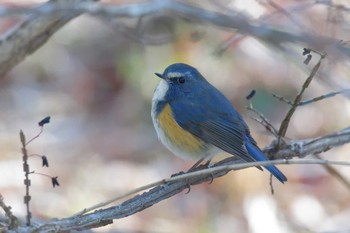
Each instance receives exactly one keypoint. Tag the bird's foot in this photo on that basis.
(188, 185)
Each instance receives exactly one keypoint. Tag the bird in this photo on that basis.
(194, 120)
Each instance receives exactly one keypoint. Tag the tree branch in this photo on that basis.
(173, 186)
(33, 32)
(45, 20)
(302, 148)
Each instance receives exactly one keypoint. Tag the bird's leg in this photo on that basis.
(187, 183)
(207, 164)
(195, 165)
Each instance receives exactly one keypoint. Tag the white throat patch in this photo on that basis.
(160, 91)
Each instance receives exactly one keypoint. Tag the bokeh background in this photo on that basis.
(96, 79)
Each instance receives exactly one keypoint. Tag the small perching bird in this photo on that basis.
(194, 120)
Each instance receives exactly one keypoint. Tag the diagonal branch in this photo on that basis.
(42, 22)
(284, 125)
(33, 32)
(147, 199)
(298, 148)
(302, 148)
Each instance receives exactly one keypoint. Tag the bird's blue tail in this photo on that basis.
(258, 155)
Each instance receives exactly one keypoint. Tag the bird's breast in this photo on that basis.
(178, 140)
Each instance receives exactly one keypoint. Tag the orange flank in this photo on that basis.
(178, 136)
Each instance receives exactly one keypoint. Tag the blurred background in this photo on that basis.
(95, 78)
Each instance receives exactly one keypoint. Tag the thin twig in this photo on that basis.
(36, 136)
(312, 100)
(331, 170)
(281, 98)
(268, 126)
(285, 123)
(27, 181)
(329, 3)
(12, 219)
(134, 191)
(322, 97)
(288, 15)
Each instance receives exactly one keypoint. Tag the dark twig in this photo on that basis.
(264, 122)
(288, 15)
(36, 136)
(272, 189)
(281, 98)
(322, 97)
(285, 123)
(27, 181)
(312, 100)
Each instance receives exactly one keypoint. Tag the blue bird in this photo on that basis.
(194, 120)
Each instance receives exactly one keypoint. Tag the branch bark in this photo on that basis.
(102, 217)
(42, 22)
(33, 32)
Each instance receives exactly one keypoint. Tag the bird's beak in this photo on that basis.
(159, 75)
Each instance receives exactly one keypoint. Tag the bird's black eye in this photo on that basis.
(181, 80)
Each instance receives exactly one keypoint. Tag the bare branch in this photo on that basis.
(331, 170)
(284, 125)
(172, 186)
(12, 220)
(322, 97)
(31, 34)
(302, 148)
(43, 21)
(264, 122)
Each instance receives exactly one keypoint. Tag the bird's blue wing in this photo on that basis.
(213, 119)
(226, 135)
